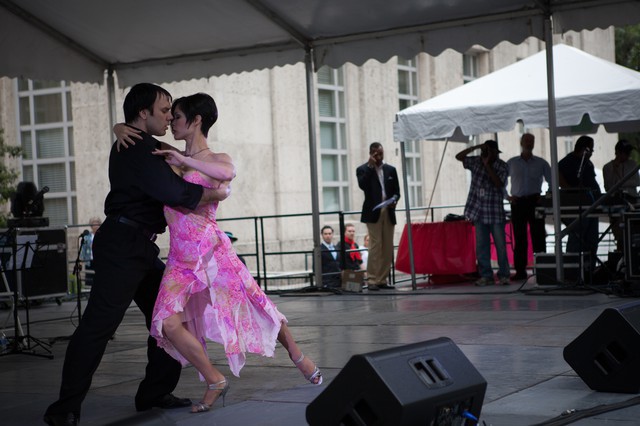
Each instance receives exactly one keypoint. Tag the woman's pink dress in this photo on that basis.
(207, 283)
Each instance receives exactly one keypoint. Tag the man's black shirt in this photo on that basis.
(142, 183)
(569, 167)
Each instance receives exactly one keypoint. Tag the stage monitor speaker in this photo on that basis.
(606, 355)
(428, 383)
(545, 268)
(41, 262)
(632, 245)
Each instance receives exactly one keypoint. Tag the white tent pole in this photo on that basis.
(313, 165)
(111, 97)
(433, 190)
(553, 143)
(407, 209)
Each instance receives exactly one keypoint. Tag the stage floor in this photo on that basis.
(513, 335)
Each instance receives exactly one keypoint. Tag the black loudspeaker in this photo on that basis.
(575, 268)
(632, 245)
(606, 355)
(428, 383)
(40, 262)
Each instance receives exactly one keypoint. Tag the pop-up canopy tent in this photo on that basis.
(589, 92)
(604, 92)
(162, 41)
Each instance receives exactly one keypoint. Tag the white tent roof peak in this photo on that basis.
(584, 84)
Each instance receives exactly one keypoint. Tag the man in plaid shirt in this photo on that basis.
(485, 208)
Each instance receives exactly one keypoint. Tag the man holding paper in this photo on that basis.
(379, 182)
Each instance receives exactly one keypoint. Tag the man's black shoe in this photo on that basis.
(386, 287)
(518, 276)
(166, 402)
(62, 419)
(373, 287)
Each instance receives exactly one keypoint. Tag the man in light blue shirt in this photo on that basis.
(526, 172)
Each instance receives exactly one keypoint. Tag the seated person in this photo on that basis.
(86, 254)
(365, 252)
(233, 239)
(329, 258)
(353, 258)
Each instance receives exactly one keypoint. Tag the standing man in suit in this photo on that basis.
(329, 258)
(379, 182)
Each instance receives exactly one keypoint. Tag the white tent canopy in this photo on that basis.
(163, 41)
(608, 93)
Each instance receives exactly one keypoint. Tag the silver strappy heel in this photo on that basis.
(316, 375)
(202, 407)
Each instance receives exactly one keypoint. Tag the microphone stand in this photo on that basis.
(580, 235)
(76, 273)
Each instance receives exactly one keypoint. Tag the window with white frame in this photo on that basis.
(46, 136)
(408, 96)
(469, 67)
(333, 139)
(407, 83)
(470, 61)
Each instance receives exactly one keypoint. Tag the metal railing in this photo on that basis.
(264, 254)
(278, 269)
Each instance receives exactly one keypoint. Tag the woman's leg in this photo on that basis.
(190, 348)
(306, 366)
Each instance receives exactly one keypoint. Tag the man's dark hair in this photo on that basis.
(141, 96)
(199, 104)
(326, 227)
(583, 142)
(374, 145)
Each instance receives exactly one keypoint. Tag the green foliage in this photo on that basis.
(634, 139)
(628, 46)
(628, 55)
(7, 176)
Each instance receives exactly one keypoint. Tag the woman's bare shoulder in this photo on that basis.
(220, 156)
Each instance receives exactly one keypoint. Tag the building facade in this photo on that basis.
(64, 131)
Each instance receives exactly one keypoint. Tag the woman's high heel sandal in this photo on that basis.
(202, 407)
(314, 378)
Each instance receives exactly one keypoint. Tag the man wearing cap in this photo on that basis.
(526, 172)
(485, 208)
(613, 172)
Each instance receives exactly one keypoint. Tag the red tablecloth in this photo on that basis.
(446, 248)
(439, 248)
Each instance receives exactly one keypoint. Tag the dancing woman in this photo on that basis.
(207, 292)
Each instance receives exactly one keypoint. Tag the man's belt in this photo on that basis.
(132, 223)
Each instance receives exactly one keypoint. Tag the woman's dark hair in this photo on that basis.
(141, 96)
(199, 104)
